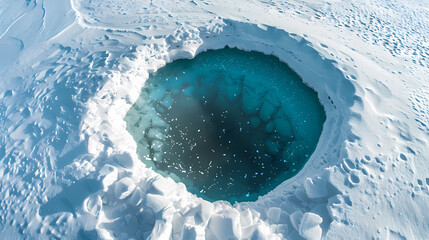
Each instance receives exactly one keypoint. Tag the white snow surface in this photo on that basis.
(71, 70)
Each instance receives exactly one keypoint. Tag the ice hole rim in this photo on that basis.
(318, 73)
(281, 167)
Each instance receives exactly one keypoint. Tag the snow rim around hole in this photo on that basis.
(105, 123)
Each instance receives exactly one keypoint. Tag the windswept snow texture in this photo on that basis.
(71, 70)
(230, 124)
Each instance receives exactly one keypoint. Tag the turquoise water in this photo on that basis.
(230, 124)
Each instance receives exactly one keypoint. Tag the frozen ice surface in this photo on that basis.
(210, 141)
(71, 70)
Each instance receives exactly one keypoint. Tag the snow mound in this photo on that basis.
(309, 227)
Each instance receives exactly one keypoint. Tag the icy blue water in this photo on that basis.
(229, 124)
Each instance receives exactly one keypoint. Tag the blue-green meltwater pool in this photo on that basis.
(230, 124)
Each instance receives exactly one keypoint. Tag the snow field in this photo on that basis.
(69, 168)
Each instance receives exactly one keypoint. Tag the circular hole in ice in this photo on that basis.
(230, 124)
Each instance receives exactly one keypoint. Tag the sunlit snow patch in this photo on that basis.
(229, 124)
